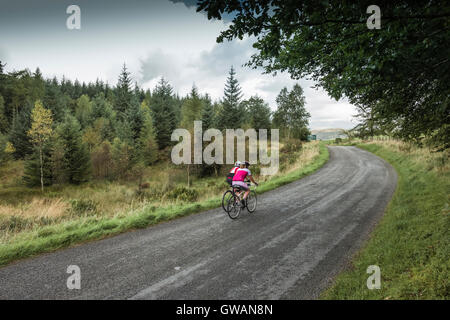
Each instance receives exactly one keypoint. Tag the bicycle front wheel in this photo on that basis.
(251, 201)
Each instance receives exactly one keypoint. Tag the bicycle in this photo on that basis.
(232, 201)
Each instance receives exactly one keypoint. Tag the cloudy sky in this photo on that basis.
(154, 38)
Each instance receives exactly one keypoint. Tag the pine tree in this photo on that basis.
(148, 147)
(83, 110)
(37, 88)
(54, 100)
(163, 113)
(19, 133)
(208, 113)
(191, 110)
(123, 93)
(76, 155)
(208, 122)
(230, 115)
(32, 167)
(4, 125)
(40, 132)
(134, 118)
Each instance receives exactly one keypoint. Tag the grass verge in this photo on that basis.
(62, 235)
(411, 244)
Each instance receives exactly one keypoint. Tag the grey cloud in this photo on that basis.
(217, 61)
(187, 3)
(4, 56)
(157, 64)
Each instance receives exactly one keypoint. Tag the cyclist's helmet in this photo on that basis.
(237, 164)
(247, 164)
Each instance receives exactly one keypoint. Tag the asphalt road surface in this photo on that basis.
(299, 238)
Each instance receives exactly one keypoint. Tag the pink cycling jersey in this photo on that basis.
(233, 170)
(241, 174)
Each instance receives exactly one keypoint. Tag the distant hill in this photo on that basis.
(328, 134)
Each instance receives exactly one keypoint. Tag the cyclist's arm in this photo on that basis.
(252, 180)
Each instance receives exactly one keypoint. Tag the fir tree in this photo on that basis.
(191, 110)
(4, 125)
(208, 113)
(230, 115)
(163, 113)
(76, 155)
(148, 147)
(83, 110)
(134, 118)
(35, 174)
(123, 93)
(19, 133)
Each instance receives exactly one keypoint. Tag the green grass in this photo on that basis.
(411, 242)
(50, 238)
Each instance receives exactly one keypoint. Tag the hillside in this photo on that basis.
(328, 134)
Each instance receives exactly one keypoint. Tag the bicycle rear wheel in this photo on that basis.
(226, 196)
(251, 201)
(234, 207)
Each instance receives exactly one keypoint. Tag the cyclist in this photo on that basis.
(232, 172)
(239, 177)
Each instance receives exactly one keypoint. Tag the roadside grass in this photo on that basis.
(411, 244)
(56, 225)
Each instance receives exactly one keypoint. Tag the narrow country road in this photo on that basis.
(299, 238)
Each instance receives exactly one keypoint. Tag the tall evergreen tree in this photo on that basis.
(55, 101)
(32, 167)
(134, 118)
(230, 115)
(83, 110)
(208, 113)
(191, 110)
(163, 113)
(123, 93)
(4, 125)
(19, 133)
(76, 155)
(147, 146)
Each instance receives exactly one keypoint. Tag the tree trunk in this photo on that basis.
(42, 169)
(188, 177)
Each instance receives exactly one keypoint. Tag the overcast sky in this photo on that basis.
(154, 38)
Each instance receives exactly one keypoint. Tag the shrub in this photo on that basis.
(81, 206)
(14, 223)
(183, 194)
(291, 145)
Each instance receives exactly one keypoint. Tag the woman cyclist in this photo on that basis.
(239, 177)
